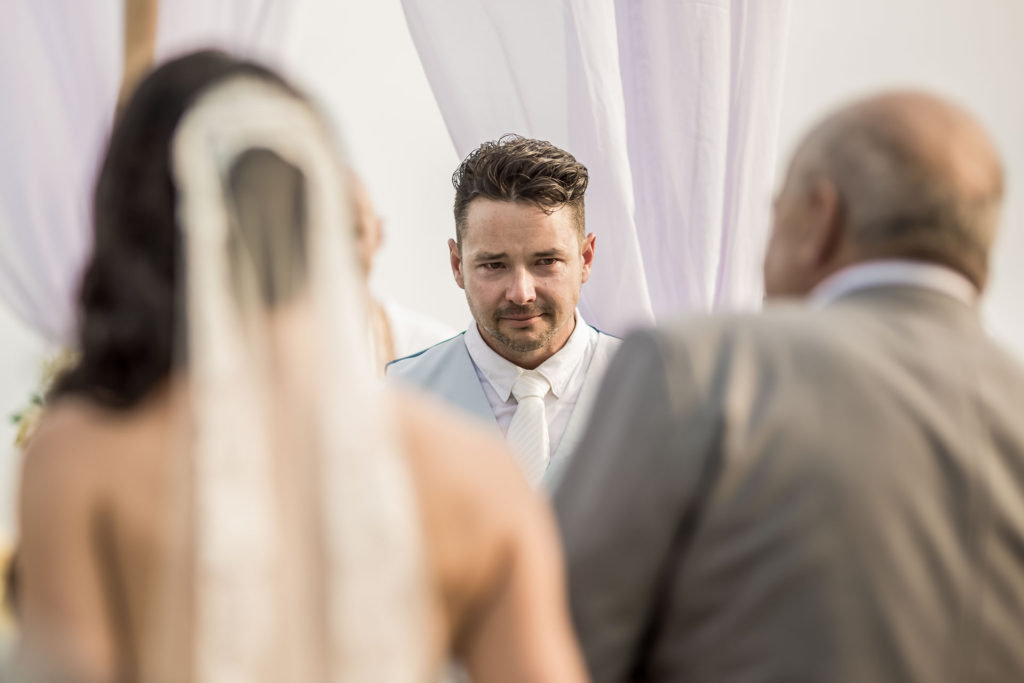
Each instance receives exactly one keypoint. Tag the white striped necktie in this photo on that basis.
(528, 431)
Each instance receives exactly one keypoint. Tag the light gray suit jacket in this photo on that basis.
(832, 495)
(447, 370)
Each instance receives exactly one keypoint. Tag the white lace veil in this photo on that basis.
(308, 559)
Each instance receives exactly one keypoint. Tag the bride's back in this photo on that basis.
(99, 490)
(97, 496)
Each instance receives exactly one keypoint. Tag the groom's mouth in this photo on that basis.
(522, 320)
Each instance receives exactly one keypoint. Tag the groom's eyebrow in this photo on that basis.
(482, 256)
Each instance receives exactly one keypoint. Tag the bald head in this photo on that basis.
(902, 175)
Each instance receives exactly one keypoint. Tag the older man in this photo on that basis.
(528, 362)
(831, 491)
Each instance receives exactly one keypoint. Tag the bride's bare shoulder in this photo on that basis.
(455, 455)
(61, 480)
(476, 506)
(79, 442)
(66, 450)
(494, 549)
(66, 429)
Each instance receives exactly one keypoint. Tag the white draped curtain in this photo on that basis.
(60, 68)
(250, 27)
(60, 65)
(673, 106)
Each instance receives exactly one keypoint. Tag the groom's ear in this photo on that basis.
(455, 256)
(587, 255)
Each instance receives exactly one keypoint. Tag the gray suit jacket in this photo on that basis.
(447, 371)
(832, 495)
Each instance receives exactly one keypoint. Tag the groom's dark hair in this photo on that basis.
(518, 169)
(131, 296)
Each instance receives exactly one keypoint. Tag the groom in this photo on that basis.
(528, 362)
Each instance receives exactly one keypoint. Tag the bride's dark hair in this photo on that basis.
(131, 300)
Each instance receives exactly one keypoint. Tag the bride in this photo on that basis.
(221, 490)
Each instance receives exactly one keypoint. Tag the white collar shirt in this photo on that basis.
(566, 371)
(894, 272)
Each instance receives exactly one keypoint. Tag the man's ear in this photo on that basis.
(455, 256)
(587, 254)
(826, 224)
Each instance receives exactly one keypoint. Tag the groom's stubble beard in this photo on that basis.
(491, 323)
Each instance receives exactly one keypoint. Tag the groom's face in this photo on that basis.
(522, 269)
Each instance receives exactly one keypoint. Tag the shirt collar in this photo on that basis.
(558, 370)
(894, 272)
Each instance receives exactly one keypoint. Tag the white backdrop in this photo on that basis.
(671, 104)
(359, 60)
(370, 78)
(970, 51)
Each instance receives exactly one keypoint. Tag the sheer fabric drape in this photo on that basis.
(59, 71)
(253, 28)
(672, 105)
(60, 67)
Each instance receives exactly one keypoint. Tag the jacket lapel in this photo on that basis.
(459, 384)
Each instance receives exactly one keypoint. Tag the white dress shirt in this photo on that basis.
(565, 370)
(894, 272)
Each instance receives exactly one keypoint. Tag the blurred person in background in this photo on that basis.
(528, 363)
(397, 330)
(220, 490)
(832, 490)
